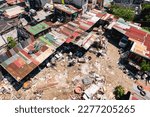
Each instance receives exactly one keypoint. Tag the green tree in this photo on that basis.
(145, 66)
(119, 92)
(11, 42)
(145, 16)
(123, 12)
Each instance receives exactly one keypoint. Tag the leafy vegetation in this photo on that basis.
(145, 66)
(123, 12)
(146, 29)
(119, 92)
(145, 15)
(129, 14)
(11, 42)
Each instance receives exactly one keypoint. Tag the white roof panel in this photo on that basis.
(2, 42)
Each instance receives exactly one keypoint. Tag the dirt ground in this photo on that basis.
(56, 83)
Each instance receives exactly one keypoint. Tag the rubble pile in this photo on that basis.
(99, 47)
(5, 89)
(89, 87)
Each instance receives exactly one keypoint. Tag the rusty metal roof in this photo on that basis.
(77, 27)
(21, 63)
(69, 9)
(135, 33)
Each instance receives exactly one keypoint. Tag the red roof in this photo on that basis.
(147, 44)
(136, 34)
(99, 15)
(141, 36)
(147, 41)
(74, 35)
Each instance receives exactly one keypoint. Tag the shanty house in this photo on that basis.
(139, 48)
(13, 11)
(65, 13)
(40, 28)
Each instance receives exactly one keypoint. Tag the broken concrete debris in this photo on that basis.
(87, 81)
(91, 87)
(99, 46)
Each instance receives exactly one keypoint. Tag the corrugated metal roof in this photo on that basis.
(13, 12)
(12, 33)
(14, 1)
(21, 64)
(2, 42)
(137, 35)
(69, 9)
(5, 25)
(34, 30)
(24, 63)
(41, 15)
(85, 40)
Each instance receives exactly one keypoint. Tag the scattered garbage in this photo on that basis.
(87, 81)
(71, 62)
(91, 87)
(48, 65)
(59, 56)
(99, 47)
(76, 80)
(91, 91)
(27, 85)
(78, 89)
(81, 60)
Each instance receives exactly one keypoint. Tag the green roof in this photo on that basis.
(38, 28)
(45, 40)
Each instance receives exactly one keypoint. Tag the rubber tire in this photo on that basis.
(140, 88)
(143, 93)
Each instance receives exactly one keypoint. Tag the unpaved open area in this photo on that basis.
(57, 82)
